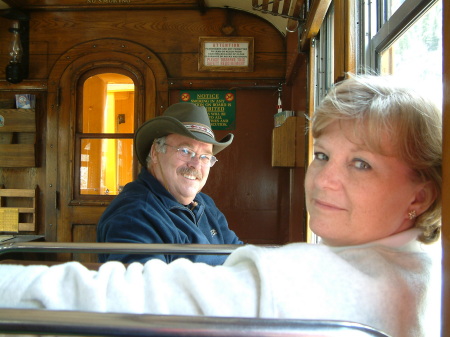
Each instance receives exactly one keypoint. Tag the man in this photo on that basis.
(164, 204)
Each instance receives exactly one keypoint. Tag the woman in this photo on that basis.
(377, 159)
(373, 192)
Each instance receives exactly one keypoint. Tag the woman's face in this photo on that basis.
(353, 195)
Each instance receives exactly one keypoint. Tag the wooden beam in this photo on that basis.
(77, 4)
(344, 38)
(296, 8)
(29, 85)
(313, 22)
(201, 5)
(286, 7)
(194, 84)
(275, 6)
(293, 24)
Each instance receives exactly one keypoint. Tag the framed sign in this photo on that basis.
(220, 105)
(231, 54)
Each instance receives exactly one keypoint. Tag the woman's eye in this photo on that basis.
(320, 156)
(362, 165)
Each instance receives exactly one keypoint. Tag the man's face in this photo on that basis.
(183, 179)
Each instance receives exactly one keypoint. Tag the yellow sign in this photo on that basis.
(9, 220)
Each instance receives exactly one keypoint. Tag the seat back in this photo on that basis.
(75, 323)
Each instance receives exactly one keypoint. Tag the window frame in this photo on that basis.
(95, 199)
(380, 34)
(324, 56)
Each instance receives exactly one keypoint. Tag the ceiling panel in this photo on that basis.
(245, 5)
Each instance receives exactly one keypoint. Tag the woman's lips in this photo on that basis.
(327, 205)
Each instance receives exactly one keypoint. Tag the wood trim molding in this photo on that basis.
(61, 101)
(344, 38)
(101, 4)
(313, 22)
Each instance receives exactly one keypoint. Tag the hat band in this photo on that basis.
(200, 128)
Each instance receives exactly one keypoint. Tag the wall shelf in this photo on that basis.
(17, 137)
(6, 212)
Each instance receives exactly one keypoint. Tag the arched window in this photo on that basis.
(104, 134)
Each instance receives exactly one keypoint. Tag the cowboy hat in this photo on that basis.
(186, 119)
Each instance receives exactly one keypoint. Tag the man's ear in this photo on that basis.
(425, 196)
(154, 154)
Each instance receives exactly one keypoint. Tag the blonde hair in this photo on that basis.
(384, 107)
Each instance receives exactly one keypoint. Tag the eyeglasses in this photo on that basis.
(187, 155)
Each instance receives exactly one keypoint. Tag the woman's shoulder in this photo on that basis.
(307, 256)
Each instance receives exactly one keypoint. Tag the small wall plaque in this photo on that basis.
(9, 220)
(228, 54)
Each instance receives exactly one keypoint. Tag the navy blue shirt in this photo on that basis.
(145, 212)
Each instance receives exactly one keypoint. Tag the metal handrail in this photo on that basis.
(126, 248)
(75, 323)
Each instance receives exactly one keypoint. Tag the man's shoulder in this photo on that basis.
(205, 199)
(135, 187)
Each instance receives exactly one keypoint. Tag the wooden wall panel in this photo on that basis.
(247, 189)
(26, 178)
(150, 80)
(295, 98)
(84, 233)
(173, 35)
(254, 196)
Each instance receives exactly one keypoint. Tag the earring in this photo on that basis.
(412, 214)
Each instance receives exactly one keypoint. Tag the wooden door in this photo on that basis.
(71, 217)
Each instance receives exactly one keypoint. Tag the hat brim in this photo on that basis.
(164, 125)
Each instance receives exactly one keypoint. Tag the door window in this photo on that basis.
(104, 137)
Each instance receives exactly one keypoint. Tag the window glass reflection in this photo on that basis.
(108, 104)
(106, 165)
(417, 55)
(106, 137)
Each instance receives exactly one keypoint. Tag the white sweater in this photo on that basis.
(383, 284)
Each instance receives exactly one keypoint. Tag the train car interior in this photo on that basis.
(78, 78)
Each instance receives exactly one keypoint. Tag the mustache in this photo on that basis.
(190, 172)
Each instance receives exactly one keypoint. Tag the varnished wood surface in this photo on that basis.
(313, 22)
(160, 49)
(283, 143)
(101, 4)
(172, 35)
(27, 195)
(18, 120)
(253, 195)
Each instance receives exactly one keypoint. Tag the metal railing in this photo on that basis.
(75, 323)
(118, 248)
